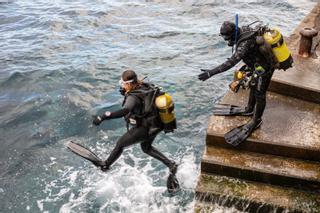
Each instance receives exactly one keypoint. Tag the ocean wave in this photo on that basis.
(163, 35)
(60, 64)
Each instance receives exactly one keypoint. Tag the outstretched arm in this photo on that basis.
(128, 106)
(110, 115)
(235, 58)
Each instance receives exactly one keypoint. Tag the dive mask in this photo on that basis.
(229, 39)
(122, 83)
(226, 37)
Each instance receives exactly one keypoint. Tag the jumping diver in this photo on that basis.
(261, 62)
(140, 113)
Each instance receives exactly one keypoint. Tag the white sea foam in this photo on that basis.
(71, 53)
(188, 172)
(129, 188)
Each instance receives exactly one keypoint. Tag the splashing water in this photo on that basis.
(60, 64)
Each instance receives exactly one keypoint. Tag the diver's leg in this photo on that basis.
(172, 182)
(147, 147)
(251, 101)
(241, 133)
(260, 95)
(133, 136)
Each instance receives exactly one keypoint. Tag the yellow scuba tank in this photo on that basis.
(279, 48)
(165, 108)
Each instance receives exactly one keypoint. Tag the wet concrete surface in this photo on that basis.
(290, 127)
(253, 197)
(260, 167)
(284, 151)
(303, 79)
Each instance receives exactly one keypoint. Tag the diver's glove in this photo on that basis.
(206, 73)
(98, 119)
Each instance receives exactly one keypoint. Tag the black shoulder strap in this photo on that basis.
(124, 100)
(146, 91)
(250, 33)
(155, 92)
(245, 37)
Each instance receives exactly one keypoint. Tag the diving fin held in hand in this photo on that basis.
(86, 154)
(228, 110)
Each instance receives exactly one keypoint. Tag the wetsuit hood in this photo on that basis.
(228, 32)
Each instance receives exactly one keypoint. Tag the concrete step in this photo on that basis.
(290, 128)
(262, 168)
(303, 79)
(251, 197)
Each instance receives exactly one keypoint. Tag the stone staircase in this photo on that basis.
(278, 168)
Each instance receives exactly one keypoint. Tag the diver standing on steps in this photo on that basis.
(147, 111)
(262, 50)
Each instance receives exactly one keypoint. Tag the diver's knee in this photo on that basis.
(145, 148)
(260, 95)
(119, 147)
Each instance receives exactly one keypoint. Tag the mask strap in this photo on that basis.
(122, 82)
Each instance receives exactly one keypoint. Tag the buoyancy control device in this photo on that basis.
(269, 39)
(158, 107)
(246, 78)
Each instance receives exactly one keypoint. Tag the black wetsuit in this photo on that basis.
(248, 52)
(138, 133)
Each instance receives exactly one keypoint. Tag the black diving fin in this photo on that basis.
(241, 133)
(173, 184)
(229, 109)
(85, 153)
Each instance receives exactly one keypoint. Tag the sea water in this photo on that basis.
(60, 63)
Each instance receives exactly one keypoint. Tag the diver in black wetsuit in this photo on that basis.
(142, 131)
(249, 51)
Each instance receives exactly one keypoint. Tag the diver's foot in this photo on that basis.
(173, 184)
(241, 133)
(255, 124)
(247, 114)
(102, 165)
(104, 168)
(231, 110)
(248, 111)
(173, 168)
